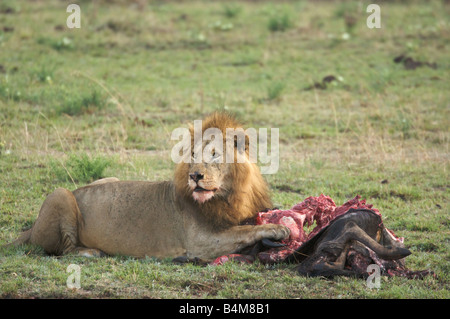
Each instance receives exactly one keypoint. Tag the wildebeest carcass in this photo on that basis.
(344, 242)
(345, 247)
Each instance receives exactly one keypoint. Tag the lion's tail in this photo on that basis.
(24, 238)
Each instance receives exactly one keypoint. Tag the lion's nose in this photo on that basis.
(196, 176)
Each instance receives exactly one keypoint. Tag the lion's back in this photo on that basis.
(129, 216)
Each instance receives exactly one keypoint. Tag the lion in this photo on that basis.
(198, 214)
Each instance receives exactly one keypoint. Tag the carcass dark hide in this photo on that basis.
(345, 240)
(357, 231)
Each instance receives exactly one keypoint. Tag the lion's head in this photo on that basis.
(227, 192)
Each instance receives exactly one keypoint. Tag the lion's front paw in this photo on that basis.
(276, 231)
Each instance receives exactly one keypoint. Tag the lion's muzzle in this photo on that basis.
(202, 190)
(201, 195)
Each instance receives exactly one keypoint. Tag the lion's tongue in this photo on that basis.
(202, 196)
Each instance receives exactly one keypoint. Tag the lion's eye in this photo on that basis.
(215, 157)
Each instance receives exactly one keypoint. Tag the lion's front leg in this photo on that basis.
(235, 239)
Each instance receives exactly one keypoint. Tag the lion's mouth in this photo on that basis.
(201, 194)
(201, 189)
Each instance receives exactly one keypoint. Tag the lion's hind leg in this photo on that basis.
(56, 228)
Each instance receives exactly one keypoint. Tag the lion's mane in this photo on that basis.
(248, 195)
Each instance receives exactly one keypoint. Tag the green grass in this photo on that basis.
(231, 10)
(280, 22)
(80, 168)
(102, 101)
(274, 90)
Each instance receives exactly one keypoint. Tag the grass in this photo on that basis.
(80, 103)
(231, 10)
(80, 168)
(274, 90)
(279, 22)
(102, 101)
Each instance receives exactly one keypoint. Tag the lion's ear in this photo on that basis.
(247, 142)
(191, 132)
(241, 148)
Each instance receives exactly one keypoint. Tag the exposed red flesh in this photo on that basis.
(321, 210)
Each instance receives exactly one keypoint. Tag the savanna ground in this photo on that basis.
(102, 100)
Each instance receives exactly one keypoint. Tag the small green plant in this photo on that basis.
(64, 43)
(349, 12)
(231, 11)
(197, 40)
(220, 26)
(87, 102)
(274, 90)
(8, 91)
(280, 22)
(4, 90)
(402, 124)
(346, 8)
(45, 74)
(81, 168)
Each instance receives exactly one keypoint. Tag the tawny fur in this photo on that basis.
(248, 193)
(159, 219)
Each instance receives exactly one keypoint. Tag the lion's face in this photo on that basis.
(224, 184)
(210, 177)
